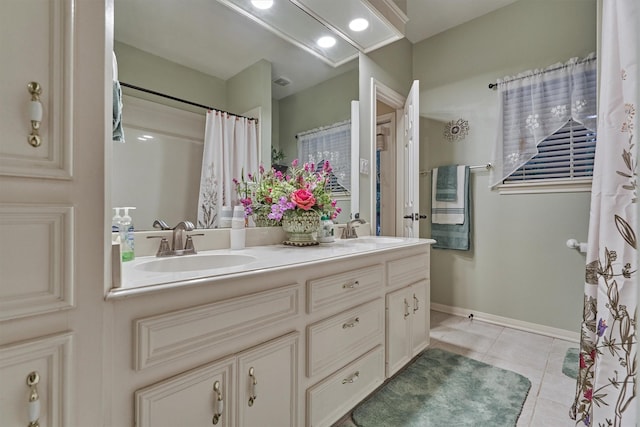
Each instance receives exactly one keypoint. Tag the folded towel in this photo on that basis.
(455, 236)
(448, 212)
(447, 183)
(118, 133)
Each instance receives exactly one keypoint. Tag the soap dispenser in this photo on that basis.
(115, 221)
(126, 236)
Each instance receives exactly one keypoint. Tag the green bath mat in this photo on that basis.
(445, 389)
(570, 364)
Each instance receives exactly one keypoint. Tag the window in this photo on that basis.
(567, 154)
(332, 143)
(547, 129)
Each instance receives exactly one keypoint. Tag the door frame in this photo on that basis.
(383, 93)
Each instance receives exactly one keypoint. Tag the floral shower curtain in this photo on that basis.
(606, 386)
(230, 149)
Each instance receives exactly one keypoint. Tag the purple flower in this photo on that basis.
(278, 209)
(587, 420)
(602, 325)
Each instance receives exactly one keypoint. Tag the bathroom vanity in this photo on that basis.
(294, 337)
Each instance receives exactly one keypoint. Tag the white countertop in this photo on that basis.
(136, 280)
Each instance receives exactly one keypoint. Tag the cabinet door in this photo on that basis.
(196, 398)
(398, 330)
(267, 384)
(419, 316)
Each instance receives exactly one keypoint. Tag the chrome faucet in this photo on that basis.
(178, 234)
(349, 231)
(177, 245)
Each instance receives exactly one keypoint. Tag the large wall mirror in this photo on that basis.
(204, 52)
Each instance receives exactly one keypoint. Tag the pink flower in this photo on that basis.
(294, 163)
(303, 199)
(582, 362)
(588, 394)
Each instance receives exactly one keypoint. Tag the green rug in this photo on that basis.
(570, 363)
(444, 389)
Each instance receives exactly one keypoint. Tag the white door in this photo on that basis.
(398, 313)
(410, 156)
(419, 317)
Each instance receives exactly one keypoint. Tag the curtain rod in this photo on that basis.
(318, 129)
(184, 101)
(590, 58)
(488, 166)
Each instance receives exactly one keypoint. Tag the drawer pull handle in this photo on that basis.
(351, 324)
(34, 399)
(406, 308)
(352, 379)
(351, 285)
(35, 113)
(254, 386)
(219, 403)
(416, 303)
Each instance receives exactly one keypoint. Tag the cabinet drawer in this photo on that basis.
(343, 290)
(405, 271)
(336, 341)
(330, 399)
(179, 333)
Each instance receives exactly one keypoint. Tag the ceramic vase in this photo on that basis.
(261, 220)
(301, 227)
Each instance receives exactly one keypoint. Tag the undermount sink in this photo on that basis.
(195, 262)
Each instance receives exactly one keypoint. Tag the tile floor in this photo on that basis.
(537, 357)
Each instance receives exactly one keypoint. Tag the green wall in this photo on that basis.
(143, 69)
(321, 105)
(518, 266)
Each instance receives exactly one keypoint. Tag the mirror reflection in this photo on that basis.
(217, 58)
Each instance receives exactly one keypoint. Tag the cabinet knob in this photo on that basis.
(218, 406)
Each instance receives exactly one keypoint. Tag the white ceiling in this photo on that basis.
(208, 36)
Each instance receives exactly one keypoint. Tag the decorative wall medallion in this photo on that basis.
(456, 130)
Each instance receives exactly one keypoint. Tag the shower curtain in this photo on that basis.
(230, 150)
(606, 385)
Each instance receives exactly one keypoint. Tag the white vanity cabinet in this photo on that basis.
(407, 328)
(345, 354)
(257, 387)
(407, 311)
(293, 346)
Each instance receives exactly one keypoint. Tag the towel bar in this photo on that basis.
(488, 166)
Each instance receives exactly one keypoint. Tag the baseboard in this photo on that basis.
(510, 323)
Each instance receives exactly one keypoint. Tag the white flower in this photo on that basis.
(559, 110)
(532, 122)
(578, 105)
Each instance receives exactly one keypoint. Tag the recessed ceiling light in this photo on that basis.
(359, 24)
(326, 41)
(147, 136)
(262, 4)
(142, 138)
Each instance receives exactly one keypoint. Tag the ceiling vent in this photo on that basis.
(281, 81)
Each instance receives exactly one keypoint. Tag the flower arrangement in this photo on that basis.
(302, 188)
